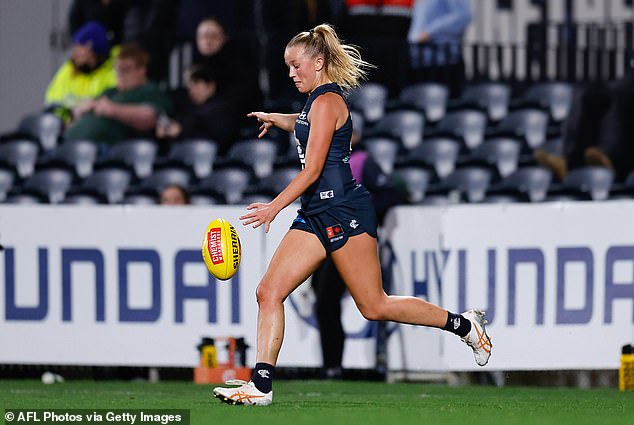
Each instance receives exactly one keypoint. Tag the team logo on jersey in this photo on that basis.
(334, 233)
(327, 194)
(302, 118)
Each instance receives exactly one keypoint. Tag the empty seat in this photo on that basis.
(165, 176)
(259, 154)
(358, 124)
(501, 153)
(257, 197)
(110, 182)
(83, 198)
(554, 96)
(370, 99)
(22, 154)
(231, 182)
(493, 97)
(531, 182)
(80, 154)
(405, 125)
(384, 151)
(199, 154)
(428, 97)
(467, 124)
(43, 126)
(592, 181)
(25, 198)
(530, 124)
(416, 180)
(471, 182)
(51, 183)
(439, 153)
(140, 198)
(279, 179)
(138, 153)
(7, 178)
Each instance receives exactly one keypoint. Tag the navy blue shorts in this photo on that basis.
(335, 225)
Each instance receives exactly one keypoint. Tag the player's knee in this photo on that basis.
(372, 312)
(267, 294)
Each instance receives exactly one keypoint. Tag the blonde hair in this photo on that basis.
(343, 62)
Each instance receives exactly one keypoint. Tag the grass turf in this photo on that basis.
(334, 403)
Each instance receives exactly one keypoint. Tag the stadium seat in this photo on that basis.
(80, 154)
(405, 125)
(467, 124)
(110, 182)
(259, 154)
(439, 153)
(471, 182)
(255, 197)
(22, 154)
(231, 182)
(416, 180)
(140, 198)
(7, 178)
(592, 181)
(138, 153)
(358, 125)
(169, 174)
(531, 183)
(52, 183)
(501, 153)
(383, 150)
(198, 198)
(431, 98)
(502, 198)
(492, 97)
(83, 198)
(279, 179)
(25, 198)
(45, 127)
(370, 99)
(554, 96)
(530, 124)
(200, 154)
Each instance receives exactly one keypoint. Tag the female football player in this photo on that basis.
(336, 216)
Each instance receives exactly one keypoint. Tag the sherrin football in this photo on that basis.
(221, 249)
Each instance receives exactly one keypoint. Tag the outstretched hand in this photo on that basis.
(261, 213)
(265, 119)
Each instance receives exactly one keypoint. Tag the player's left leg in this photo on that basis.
(358, 264)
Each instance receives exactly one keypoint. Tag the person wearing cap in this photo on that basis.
(88, 72)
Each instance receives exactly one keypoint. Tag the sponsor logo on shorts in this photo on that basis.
(334, 233)
(327, 194)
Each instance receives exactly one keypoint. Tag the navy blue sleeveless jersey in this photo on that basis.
(335, 184)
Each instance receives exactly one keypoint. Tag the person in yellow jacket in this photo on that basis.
(88, 72)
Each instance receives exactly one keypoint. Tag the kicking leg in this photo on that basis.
(358, 264)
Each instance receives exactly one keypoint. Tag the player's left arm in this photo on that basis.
(328, 112)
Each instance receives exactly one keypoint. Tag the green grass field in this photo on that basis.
(333, 403)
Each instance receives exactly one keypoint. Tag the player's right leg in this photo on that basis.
(296, 258)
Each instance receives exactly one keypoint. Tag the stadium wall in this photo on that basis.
(125, 285)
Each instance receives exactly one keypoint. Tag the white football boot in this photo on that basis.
(245, 393)
(477, 337)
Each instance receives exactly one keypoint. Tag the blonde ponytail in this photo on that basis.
(343, 62)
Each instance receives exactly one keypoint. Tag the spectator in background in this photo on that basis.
(200, 112)
(435, 37)
(236, 81)
(88, 72)
(131, 109)
(174, 194)
(111, 13)
(598, 131)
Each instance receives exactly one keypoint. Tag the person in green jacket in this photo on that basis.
(129, 110)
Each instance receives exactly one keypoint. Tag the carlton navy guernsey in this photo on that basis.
(335, 185)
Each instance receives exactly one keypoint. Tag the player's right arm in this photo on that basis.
(284, 121)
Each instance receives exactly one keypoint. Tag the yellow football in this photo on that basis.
(221, 249)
